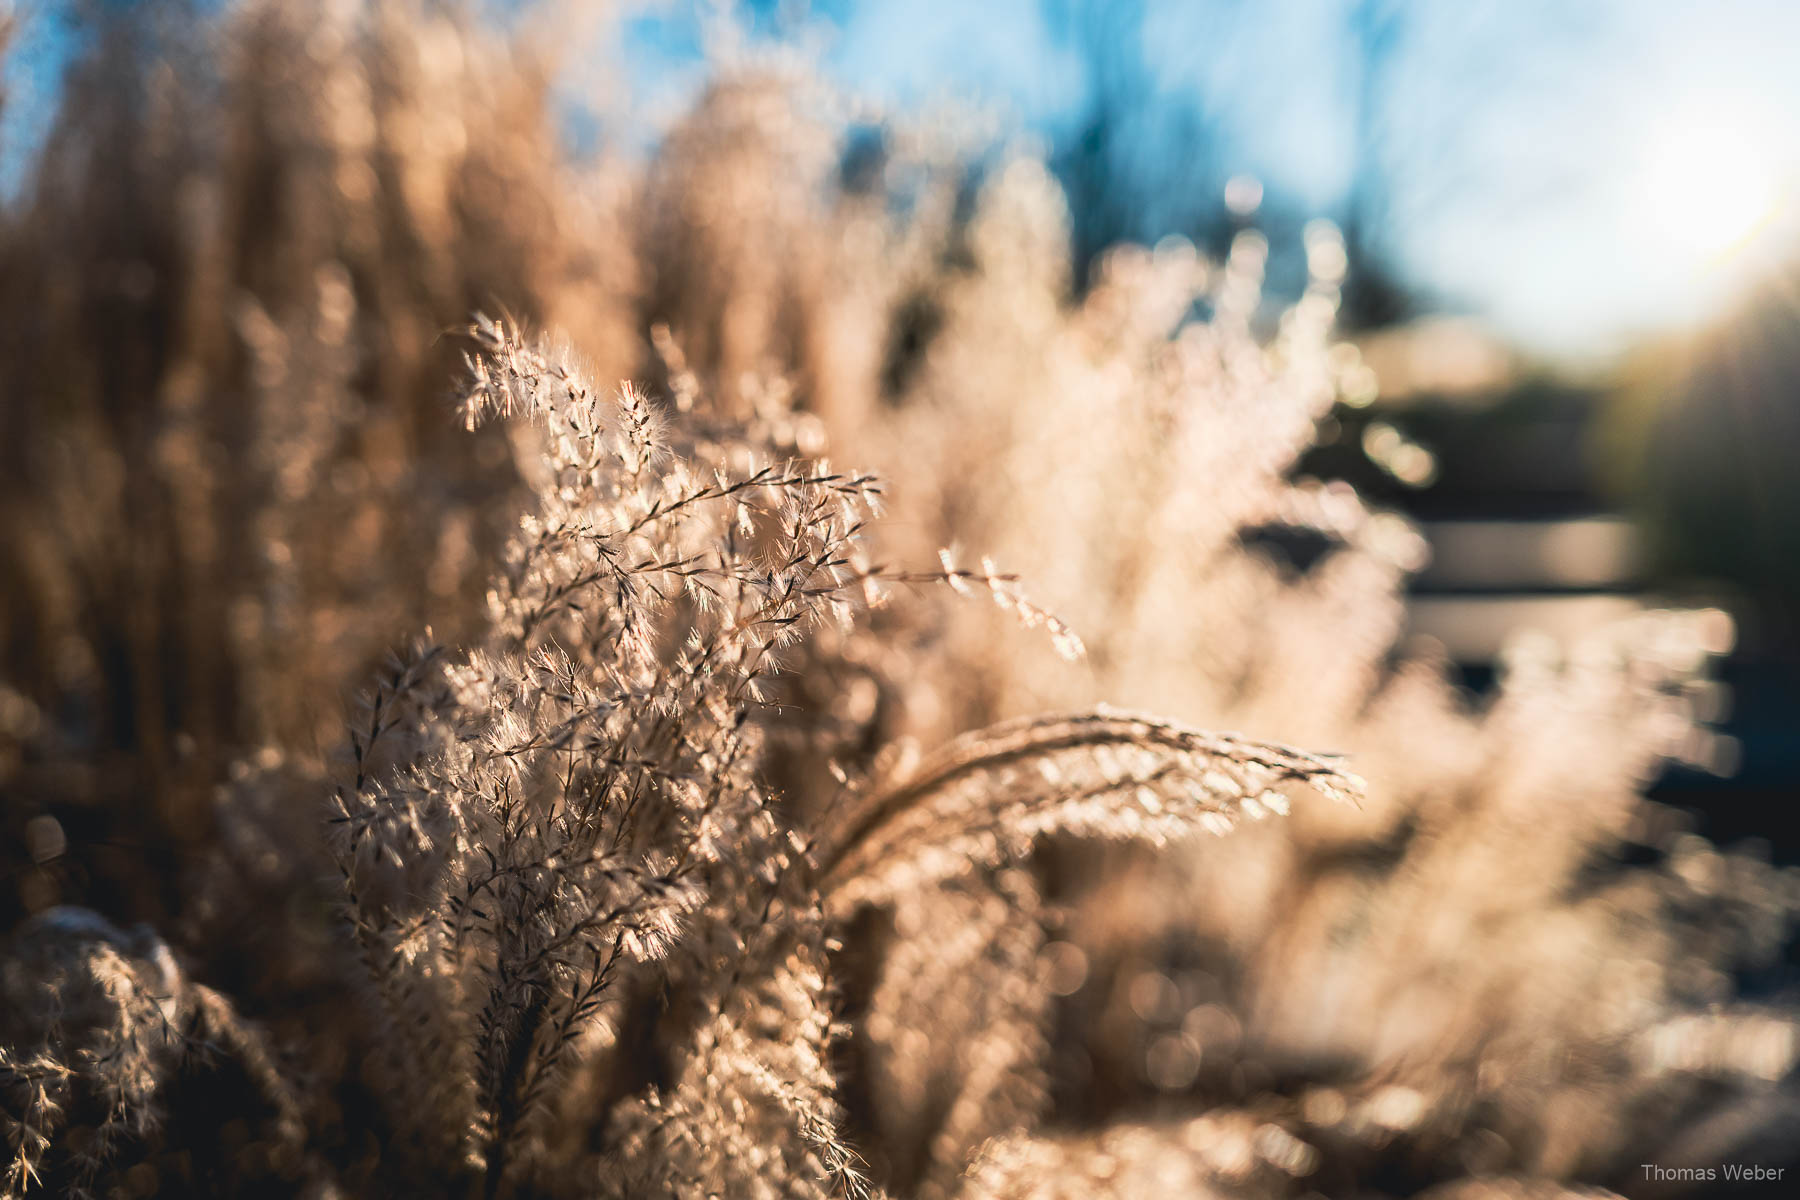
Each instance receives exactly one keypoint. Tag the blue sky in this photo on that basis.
(1579, 172)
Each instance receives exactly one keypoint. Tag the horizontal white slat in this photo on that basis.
(1473, 629)
(1594, 552)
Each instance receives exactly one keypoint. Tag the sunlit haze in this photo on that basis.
(1713, 210)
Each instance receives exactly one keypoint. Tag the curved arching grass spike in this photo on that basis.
(1103, 773)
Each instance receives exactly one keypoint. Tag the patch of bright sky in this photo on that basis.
(1591, 195)
(1275, 81)
(905, 54)
(1547, 165)
(32, 65)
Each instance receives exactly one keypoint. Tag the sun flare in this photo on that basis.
(1709, 190)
